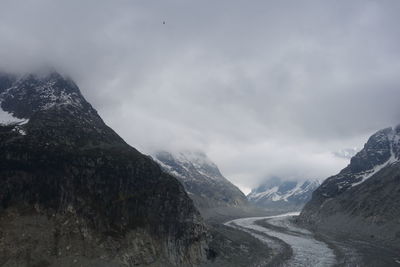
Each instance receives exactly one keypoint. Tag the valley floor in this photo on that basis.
(294, 246)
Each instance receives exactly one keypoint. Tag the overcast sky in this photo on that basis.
(265, 88)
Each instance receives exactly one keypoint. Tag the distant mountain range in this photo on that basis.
(279, 195)
(362, 200)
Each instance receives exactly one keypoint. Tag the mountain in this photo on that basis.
(278, 195)
(73, 192)
(362, 200)
(202, 180)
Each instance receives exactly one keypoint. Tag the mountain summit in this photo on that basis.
(363, 199)
(72, 191)
(202, 179)
(278, 195)
(31, 93)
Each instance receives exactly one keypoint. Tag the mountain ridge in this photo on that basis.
(99, 201)
(278, 194)
(217, 199)
(363, 198)
(201, 177)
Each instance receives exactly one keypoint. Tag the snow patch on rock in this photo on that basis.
(7, 118)
(394, 143)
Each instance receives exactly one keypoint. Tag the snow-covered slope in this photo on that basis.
(283, 195)
(25, 96)
(202, 179)
(39, 92)
(381, 150)
(7, 118)
(363, 199)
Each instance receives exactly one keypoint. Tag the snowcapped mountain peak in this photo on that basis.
(362, 200)
(276, 193)
(197, 157)
(380, 151)
(201, 179)
(29, 97)
(22, 96)
(186, 163)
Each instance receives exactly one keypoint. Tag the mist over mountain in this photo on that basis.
(185, 107)
(346, 153)
(72, 191)
(198, 82)
(201, 179)
(214, 195)
(362, 200)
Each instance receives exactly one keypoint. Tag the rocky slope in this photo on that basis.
(72, 191)
(363, 200)
(210, 191)
(278, 195)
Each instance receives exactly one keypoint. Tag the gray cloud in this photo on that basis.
(264, 87)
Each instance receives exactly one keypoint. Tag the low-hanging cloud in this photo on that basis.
(266, 88)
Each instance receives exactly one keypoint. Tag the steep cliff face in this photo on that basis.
(71, 190)
(363, 200)
(279, 195)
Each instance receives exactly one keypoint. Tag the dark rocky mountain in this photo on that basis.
(363, 200)
(203, 181)
(73, 192)
(279, 195)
